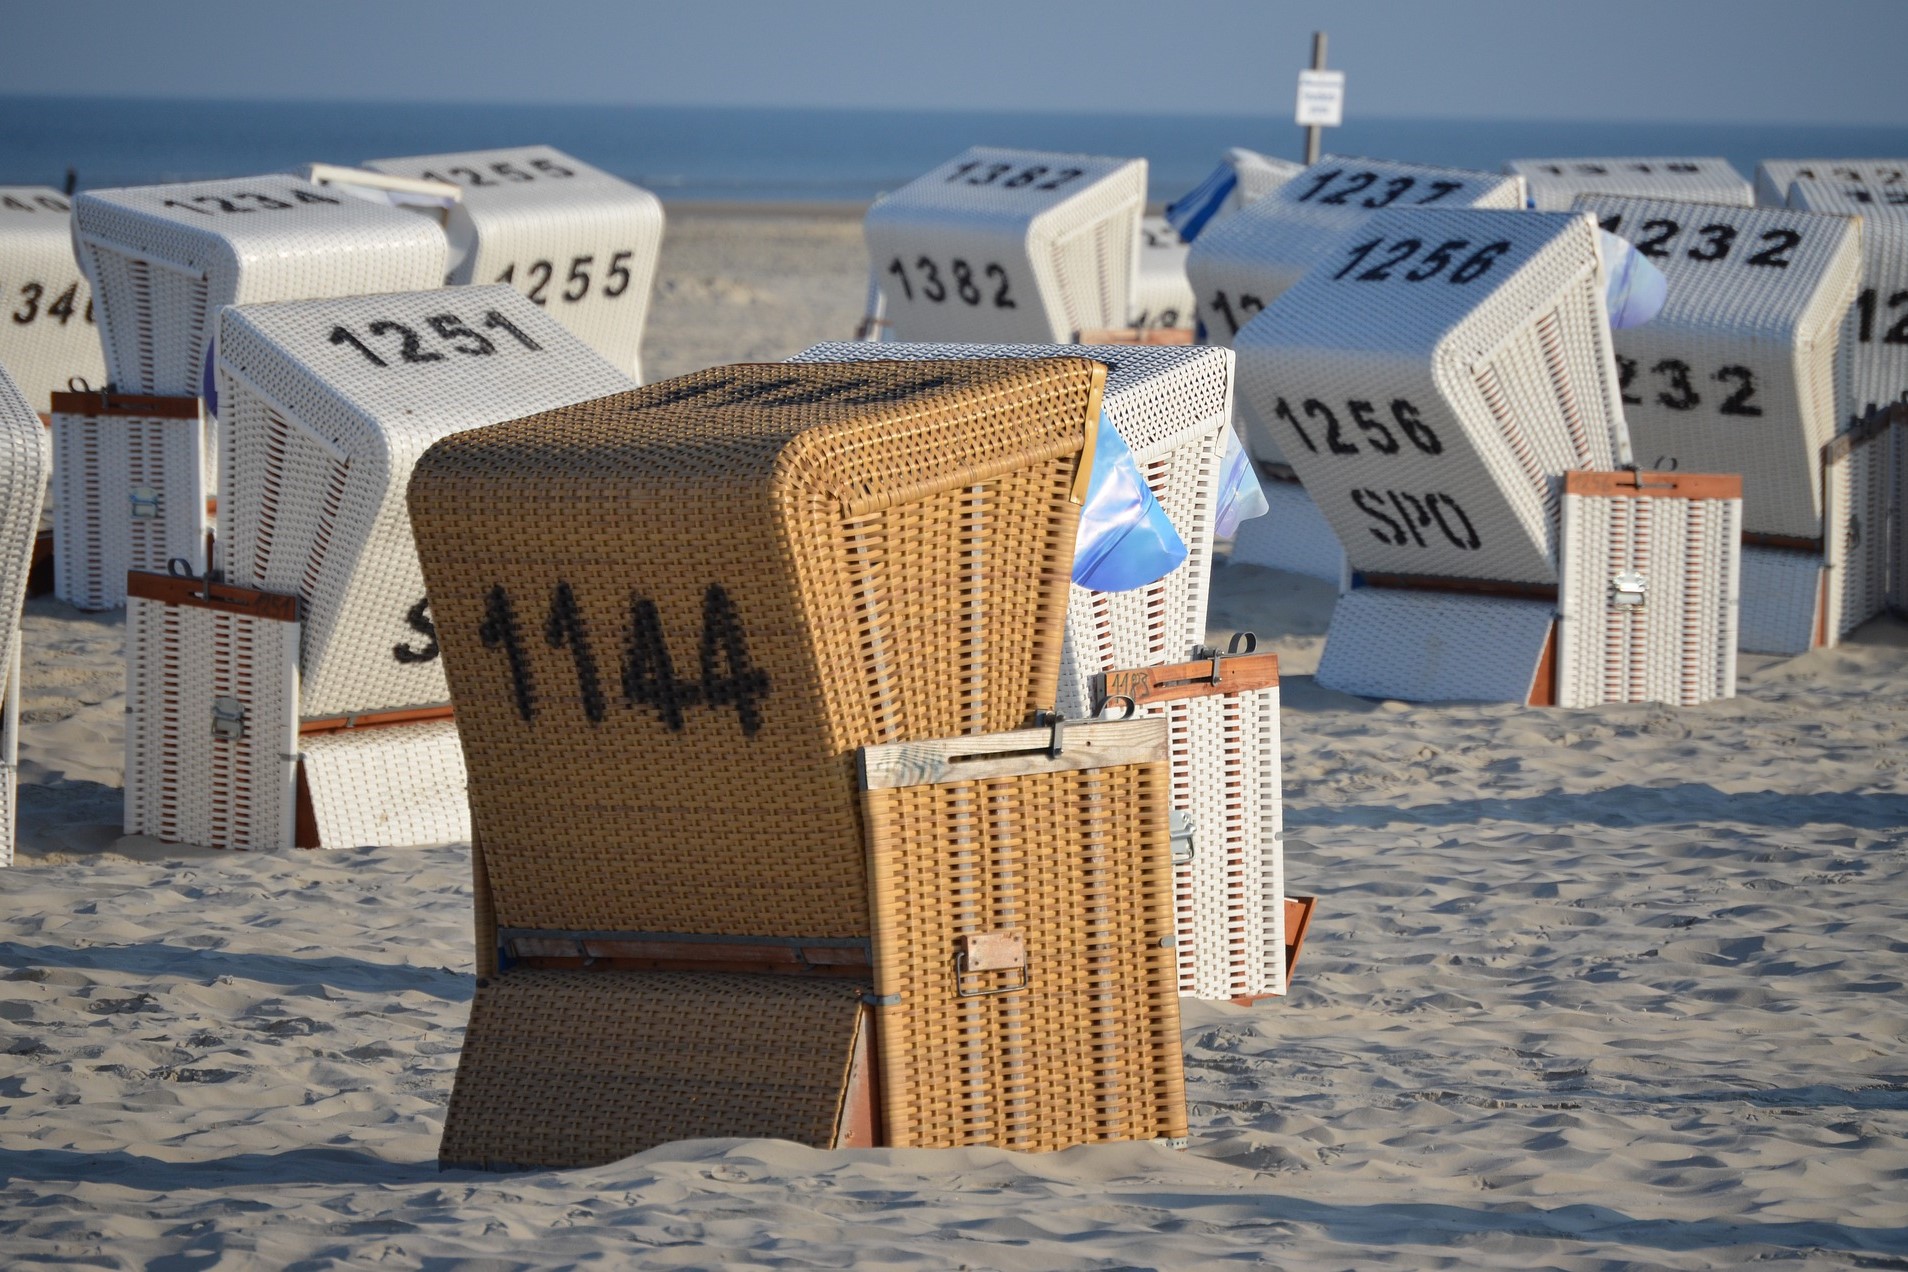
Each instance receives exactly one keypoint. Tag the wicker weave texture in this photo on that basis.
(575, 239)
(1737, 373)
(1862, 501)
(1434, 646)
(1431, 418)
(1293, 535)
(1170, 405)
(1679, 645)
(25, 458)
(322, 433)
(1886, 178)
(1161, 296)
(847, 555)
(1078, 862)
(1009, 245)
(1781, 593)
(184, 664)
(402, 784)
(51, 338)
(1556, 183)
(1872, 361)
(163, 259)
(567, 1069)
(1897, 530)
(129, 494)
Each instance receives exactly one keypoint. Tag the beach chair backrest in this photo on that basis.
(1009, 245)
(1873, 361)
(1555, 183)
(1885, 179)
(1432, 380)
(49, 337)
(26, 459)
(1737, 373)
(578, 241)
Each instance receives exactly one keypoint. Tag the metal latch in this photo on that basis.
(1628, 588)
(1002, 950)
(228, 718)
(1182, 832)
(145, 502)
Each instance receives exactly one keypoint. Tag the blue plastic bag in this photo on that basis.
(1125, 539)
(1635, 290)
(1241, 498)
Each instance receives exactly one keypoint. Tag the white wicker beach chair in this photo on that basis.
(1009, 245)
(1737, 374)
(328, 405)
(1885, 179)
(130, 491)
(1162, 294)
(1162, 299)
(1436, 380)
(1872, 362)
(1171, 405)
(25, 460)
(49, 340)
(574, 239)
(1555, 183)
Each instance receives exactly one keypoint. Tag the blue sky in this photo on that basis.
(1744, 61)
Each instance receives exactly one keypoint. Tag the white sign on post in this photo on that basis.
(1321, 99)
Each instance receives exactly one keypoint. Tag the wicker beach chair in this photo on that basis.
(49, 342)
(1024, 976)
(741, 577)
(162, 261)
(1437, 380)
(574, 239)
(1886, 180)
(1737, 373)
(1556, 183)
(1171, 407)
(1009, 245)
(1872, 362)
(1162, 299)
(327, 405)
(26, 459)
(1242, 263)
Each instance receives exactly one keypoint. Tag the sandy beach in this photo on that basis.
(1586, 989)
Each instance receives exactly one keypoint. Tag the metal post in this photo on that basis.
(1313, 131)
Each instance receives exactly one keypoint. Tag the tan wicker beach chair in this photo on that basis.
(574, 239)
(1737, 374)
(1556, 183)
(327, 405)
(50, 340)
(1435, 381)
(25, 461)
(739, 578)
(1009, 245)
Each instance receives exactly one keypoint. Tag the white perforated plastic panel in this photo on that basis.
(1737, 373)
(163, 259)
(1873, 359)
(1433, 378)
(1171, 405)
(1555, 183)
(1162, 298)
(1781, 591)
(1863, 500)
(574, 239)
(129, 494)
(49, 338)
(401, 784)
(1434, 646)
(327, 405)
(1009, 245)
(1887, 179)
(25, 458)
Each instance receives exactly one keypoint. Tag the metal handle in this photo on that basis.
(960, 972)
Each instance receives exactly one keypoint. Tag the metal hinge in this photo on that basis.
(145, 503)
(1628, 588)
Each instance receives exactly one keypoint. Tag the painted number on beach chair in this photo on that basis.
(503, 172)
(727, 677)
(33, 305)
(1678, 390)
(450, 329)
(245, 201)
(1415, 515)
(40, 203)
(1386, 260)
(1328, 190)
(1662, 237)
(1239, 314)
(1008, 176)
(1603, 170)
(1865, 307)
(576, 283)
(1377, 435)
(959, 284)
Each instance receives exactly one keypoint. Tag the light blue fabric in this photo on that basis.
(1189, 213)
(1125, 539)
(1241, 498)
(1635, 290)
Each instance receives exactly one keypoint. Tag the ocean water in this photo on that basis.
(698, 153)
